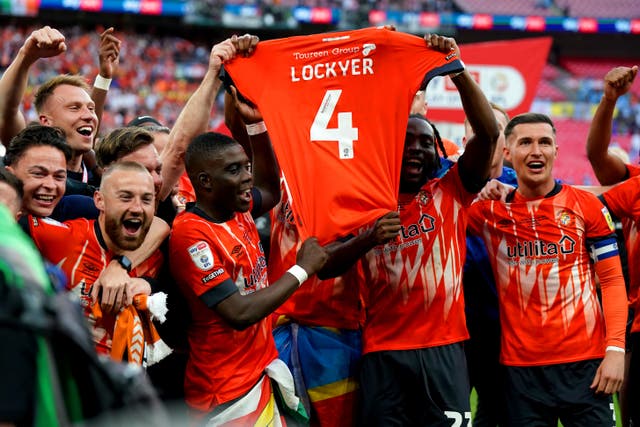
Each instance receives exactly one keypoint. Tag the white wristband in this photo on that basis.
(616, 349)
(464, 67)
(256, 128)
(102, 83)
(299, 273)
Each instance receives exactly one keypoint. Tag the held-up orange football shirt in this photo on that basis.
(336, 106)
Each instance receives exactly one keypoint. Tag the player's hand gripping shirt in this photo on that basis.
(623, 201)
(540, 255)
(413, 284)
(333, 302)
(336, 106)
(78, 248)
(224, 363)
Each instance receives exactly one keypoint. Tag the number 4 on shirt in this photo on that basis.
(345, 133)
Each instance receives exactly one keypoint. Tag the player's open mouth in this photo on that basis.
(535, 165)
(132, 226)
(44, 198)
(85, 130)
(413, 166)
(246, 195)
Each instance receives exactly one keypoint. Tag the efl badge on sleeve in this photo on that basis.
(201, 255)
(607, 216)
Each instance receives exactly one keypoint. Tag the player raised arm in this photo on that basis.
(609, 169)
(265, 169)
(109, 59)
(194, 117)
(43, 43)
(475, 163)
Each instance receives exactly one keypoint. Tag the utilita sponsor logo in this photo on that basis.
(537, 248)
(424, 225)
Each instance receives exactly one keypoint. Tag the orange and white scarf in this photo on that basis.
(135, 333)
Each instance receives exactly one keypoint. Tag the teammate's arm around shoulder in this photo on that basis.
(475, 163)
(114, 279)
(494, 190)
(242, 311)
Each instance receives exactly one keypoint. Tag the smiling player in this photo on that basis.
(83, 248)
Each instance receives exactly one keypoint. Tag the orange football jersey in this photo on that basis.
(336, 106)
(78, 248)
(540, 253)
(413, 284)
(623, 202)
(333, 302)
(224, 363)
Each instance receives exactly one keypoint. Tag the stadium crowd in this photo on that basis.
(456, 267)
(149, 66)
(136, 88)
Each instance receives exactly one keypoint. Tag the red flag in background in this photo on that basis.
(507, 71)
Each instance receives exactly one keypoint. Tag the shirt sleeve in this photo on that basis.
(475, 219)
(48, 234)
(198, 260)
(623, 199)
(604, 252)
(614, 300)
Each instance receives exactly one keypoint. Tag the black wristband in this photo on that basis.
(124, 262)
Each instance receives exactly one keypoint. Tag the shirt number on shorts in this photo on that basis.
(345, 133)
(458, 419)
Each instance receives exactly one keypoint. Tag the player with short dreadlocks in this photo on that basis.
(413, 368)
(439, 167)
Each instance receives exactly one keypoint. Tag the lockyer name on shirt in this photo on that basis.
(333, 69)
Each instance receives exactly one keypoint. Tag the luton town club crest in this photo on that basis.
(423, 197)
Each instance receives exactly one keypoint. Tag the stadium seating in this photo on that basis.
(572, 165)
(548, 91)
(586, 68)
(167, 69)
(601, 9)
(520, 7)
(573, 8)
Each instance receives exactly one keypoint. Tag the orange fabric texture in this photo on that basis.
(450, 147)
(224, 363)
(539, 252)
(75, 247)
(333, 302)
(186, 193)
(413, 284)
(337, 135)
(624, 202)
(133, 330)
(614, 300)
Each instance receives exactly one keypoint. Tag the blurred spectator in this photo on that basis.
(156, 75)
